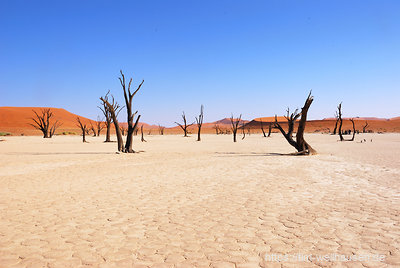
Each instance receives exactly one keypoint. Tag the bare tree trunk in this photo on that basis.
(354, 129)
(161, 129)
(235, 125)
(108, 118)
(269, 129)
(185, 126)
(243, 131)
(83, 128)
(365, 127)
(340, 121)
(302, 147)
(128, 104)
(42, 122)
(199, 122)
(114, 110)
(262, 128)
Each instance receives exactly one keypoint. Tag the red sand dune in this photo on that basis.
(15, 120)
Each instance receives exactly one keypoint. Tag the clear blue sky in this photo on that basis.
(250, 57)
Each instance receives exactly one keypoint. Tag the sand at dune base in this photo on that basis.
(182, 203)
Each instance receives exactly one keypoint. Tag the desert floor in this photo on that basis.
(184, 203)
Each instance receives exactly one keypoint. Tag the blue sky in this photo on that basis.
(249, 57)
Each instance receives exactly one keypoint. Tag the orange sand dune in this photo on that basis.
(16, 120)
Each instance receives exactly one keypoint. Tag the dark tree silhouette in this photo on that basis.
(108, 117)
(83, 128)
(128, 95)
(365, 127)
(161, 129)
(99, 125)
(340, 121)
(269, 129)
(218, 130)
(262, 128)
(354, 129)
(235, 125)
(185, 126)
(199, 122)
(93, 129)
(42, 122)
(114, 110)
(243, 131)
(302, 147)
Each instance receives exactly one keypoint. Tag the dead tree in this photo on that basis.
(365, 127)
(141, 131)
(161, 129)
(262, 128)
(199, 122)
(269, 129)
(83, 128)
(108, 117)
(128, 104)
(114, 110)
(302, 147)
(43, 122)
(217, 129)
(243, 131)
(185, 126)
(99, 125)
(340, 123)
(235, 125)
(93, 129)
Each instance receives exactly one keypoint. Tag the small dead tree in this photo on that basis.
(302, 147)
(262, 128)
(83, 128)
(42, 122)
(114, 110)
(141, 131)
(269, 129)
(161, 129)
(235, 125)
(340, 123)
(365, 127)
(108, 117)
(93, 129)
(99, 125)
(128, 95)
(217, 129)
(199, 122)
(185, 126)
(243, 131)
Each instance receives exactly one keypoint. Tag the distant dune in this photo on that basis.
(15, 120)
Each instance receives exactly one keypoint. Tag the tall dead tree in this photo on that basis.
(83, 128)
(42, 122)
(365, 127)
(161, 129)
(108, 117)
(199, 122)
(99, 125)
(302, 147)
(141, 131)
(235, 125)
(128, 95)
(114, 110)
(185, 125)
